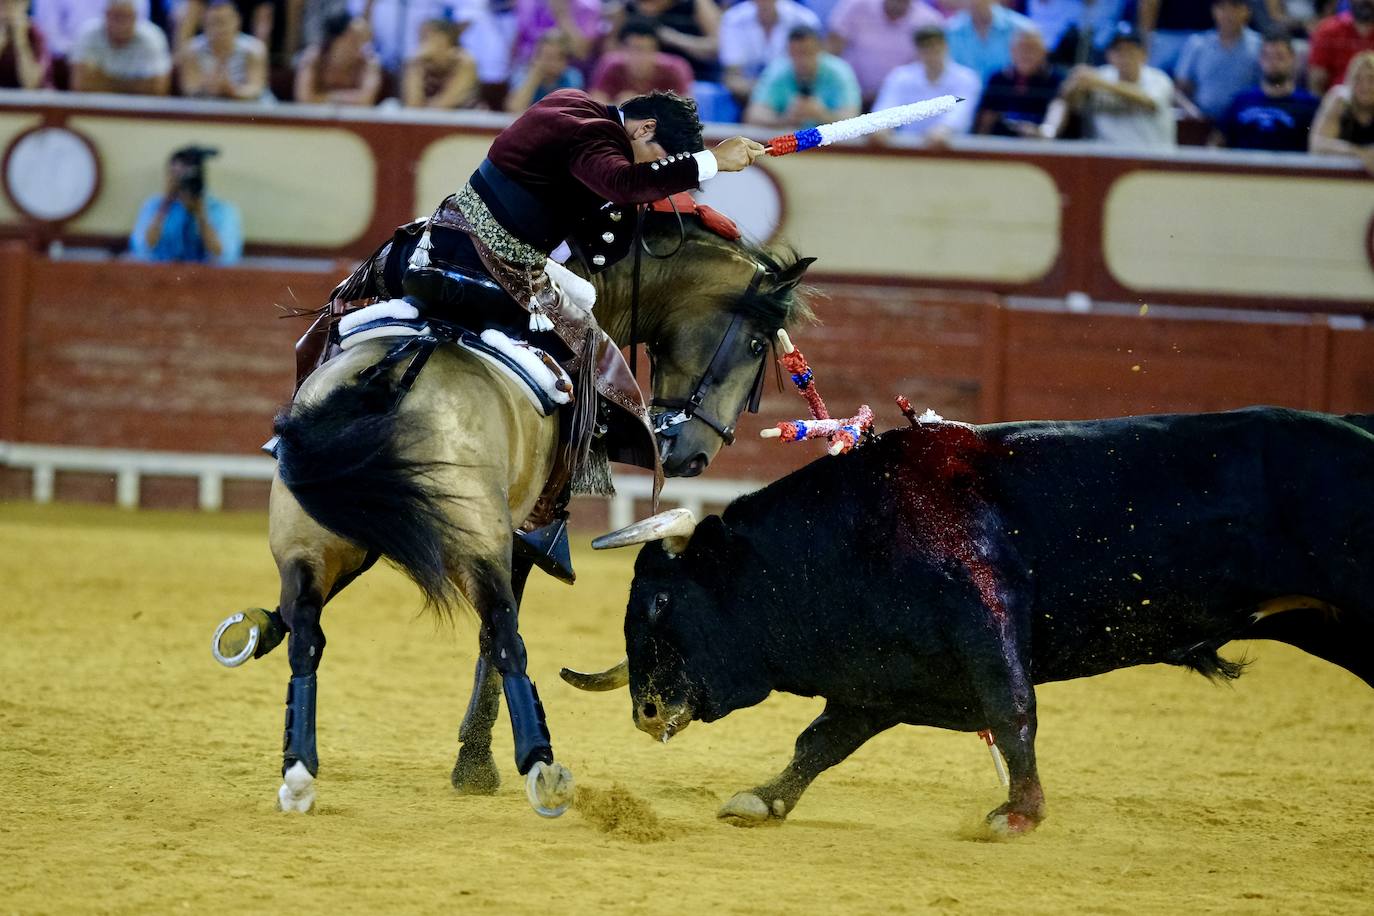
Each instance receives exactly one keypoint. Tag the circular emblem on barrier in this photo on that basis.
(51, 174)
(752, 198)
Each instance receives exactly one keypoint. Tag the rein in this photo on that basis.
(642, 245)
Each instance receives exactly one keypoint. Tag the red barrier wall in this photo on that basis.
(186, 358)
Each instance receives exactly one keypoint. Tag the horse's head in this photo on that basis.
(710, 357)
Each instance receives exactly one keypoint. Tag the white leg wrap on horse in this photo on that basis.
(297, 792)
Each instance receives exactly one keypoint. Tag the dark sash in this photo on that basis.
(515, 208)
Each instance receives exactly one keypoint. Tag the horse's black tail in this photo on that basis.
(342, 459)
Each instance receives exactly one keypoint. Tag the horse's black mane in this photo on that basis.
(769, 304)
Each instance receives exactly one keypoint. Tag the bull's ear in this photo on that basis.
(791, 276)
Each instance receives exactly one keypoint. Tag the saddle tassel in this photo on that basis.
(419, 258)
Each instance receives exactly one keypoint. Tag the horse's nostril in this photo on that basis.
(650, 711)
(694, 467)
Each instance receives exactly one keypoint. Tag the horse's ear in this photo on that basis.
(790, 277)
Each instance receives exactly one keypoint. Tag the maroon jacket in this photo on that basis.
(573, 156)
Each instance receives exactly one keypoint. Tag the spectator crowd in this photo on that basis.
(1251, 74)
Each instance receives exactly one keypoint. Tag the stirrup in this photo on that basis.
(547, 548)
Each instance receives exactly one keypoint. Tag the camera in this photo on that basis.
(192, 162)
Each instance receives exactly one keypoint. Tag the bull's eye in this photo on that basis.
(757, 347)
(660, 605)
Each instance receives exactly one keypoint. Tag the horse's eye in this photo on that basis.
(757, 347)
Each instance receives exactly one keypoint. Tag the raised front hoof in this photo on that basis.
(475, 773)
(747, 809)
(297, 792)
(1004, 823)
(248, 634)
(549, 787)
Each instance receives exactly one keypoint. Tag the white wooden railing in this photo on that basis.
(129, 467)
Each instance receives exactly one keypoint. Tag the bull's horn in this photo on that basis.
(674, 528)
(610, 679)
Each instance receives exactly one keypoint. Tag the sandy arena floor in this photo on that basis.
(136, 775)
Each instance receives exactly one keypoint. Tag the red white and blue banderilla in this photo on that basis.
(871, 123)
(842, 435)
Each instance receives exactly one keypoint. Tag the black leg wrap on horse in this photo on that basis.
(298, 743)
(532, 743)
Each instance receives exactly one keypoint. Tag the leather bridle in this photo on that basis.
(680, 410)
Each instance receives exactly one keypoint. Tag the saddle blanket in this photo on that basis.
(544, 382)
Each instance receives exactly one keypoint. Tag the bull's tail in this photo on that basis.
(343, 459)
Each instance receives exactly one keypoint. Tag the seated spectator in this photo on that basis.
(1165, 27)
(1345, 122)
(639, 67)
(1219, 65)
(1125, 103)
(441, 74)
(489, 36)
(875, 37)
(1336, 41)
(223, 63)
(1276, 116)
(1015, 102)
(24, 62)
(396, 27)
(580, 21)
(550, 69)
(805, 88)
(980, 36)
(269, 21)
(342, 70)
(122, 53)
(185, 223)
(753, 34)
(687, 28)
(933, 74)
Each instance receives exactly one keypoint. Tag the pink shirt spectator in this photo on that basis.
(533, 18)
(878, 35)
(614, 80)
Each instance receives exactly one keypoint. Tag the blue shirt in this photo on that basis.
(180, 239)
(835, 85)
(1219, 73)
(985, 54)
(1256, 121)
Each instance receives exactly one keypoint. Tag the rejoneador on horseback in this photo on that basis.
(457, 390)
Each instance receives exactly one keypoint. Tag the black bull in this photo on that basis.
(934, 576)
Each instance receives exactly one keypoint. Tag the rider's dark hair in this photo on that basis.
(679, 128)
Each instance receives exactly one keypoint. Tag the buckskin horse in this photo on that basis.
(436, 478)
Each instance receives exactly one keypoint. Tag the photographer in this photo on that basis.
(185, 223)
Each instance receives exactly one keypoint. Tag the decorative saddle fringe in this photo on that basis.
(591, 472)
(593, 476)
